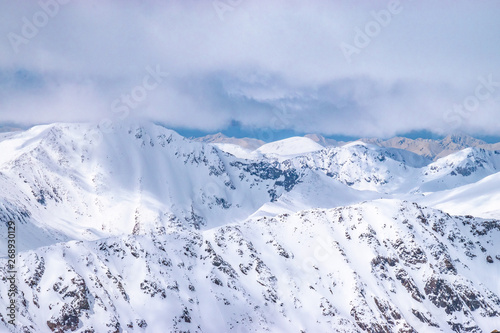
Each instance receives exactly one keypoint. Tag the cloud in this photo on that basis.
(278, 64)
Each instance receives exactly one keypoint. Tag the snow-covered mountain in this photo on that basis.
(247, 143)
(435, 149)
(325, 142)
(430, 148)
(479, 199)
(142, 230)
(287, 148)
(464, 167)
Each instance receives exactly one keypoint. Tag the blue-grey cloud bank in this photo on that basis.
(364, 68)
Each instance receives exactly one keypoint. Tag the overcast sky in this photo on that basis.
(357, 68)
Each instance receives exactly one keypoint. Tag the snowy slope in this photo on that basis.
(352, 269)
(481, 198)
(464, 167)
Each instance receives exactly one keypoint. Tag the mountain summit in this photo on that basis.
(247, 143)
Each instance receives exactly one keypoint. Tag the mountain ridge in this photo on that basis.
(431, 148)
(247, 143)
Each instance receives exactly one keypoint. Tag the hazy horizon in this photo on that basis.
(370, 69)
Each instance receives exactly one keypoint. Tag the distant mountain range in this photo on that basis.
(433, 149)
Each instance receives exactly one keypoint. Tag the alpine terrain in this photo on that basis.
(143, 230)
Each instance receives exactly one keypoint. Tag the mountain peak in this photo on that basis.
(217, 137)
(247, 143)
(324, 141)
(462, 140)
(292, 146)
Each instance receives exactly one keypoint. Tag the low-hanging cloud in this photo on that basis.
(279, 64)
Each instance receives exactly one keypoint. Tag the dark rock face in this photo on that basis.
(442, 295)
(485, 227)
(12, 212)
(283, 175)
(77, 303)
(67, 321)
(409, 285)
(464, 171)
(412, 254)
(426, 319)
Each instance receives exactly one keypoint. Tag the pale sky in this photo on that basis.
(357, 68)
